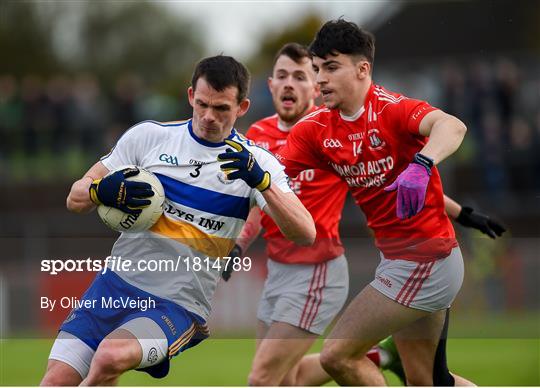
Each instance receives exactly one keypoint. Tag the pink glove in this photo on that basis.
(411, 187)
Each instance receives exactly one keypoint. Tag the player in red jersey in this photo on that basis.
(384, 146)
(306, 287)
(277, 362)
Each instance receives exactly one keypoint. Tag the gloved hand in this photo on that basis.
(227, 272)
(115, 191)
(469, 218)
(243, 166)
(411, 187)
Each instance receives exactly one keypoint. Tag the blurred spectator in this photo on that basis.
(128, 89)
(155, 106)
(10, 115)
(522, 154)
(88, 115)
(59, 108)
(536, 162)
(454, 93)
(491, 156)
(34, 108)
(507, 84)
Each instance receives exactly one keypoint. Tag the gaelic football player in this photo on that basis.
(306, 286)
(385, 147)
(210, 183)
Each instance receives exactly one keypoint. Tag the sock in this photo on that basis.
(374, 355)
(385, 358)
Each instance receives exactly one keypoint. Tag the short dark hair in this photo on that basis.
(341, 36)
(222, 72)
(296, 51)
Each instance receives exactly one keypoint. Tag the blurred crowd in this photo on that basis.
(64, 113)
(499, 101)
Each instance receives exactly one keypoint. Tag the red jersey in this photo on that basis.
(369, 152)
(322, 193)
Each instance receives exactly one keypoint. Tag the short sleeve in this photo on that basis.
(411, 112)
(300, 153)
(129, 150)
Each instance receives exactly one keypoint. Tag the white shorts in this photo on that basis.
(429, 286)
(308, 296)
(77, 354)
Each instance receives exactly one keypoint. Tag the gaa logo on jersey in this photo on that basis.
(332, 143)
(169, 159)
(375, 142)
(223, 178)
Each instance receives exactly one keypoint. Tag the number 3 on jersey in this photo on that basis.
(197, 171)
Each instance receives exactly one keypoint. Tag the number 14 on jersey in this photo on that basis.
(357, 147)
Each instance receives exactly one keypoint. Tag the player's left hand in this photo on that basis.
(242, 165)
(227, 272)
(469, 218)
(411, 186)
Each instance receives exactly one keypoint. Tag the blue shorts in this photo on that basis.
(183, 328)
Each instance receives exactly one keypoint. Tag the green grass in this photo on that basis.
(226, 362)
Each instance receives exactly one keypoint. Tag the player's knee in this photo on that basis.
(260, 376)
(290, 380)
(332, 361)
(256, 380)
(105, 365)
(111, 360)
(266, 370)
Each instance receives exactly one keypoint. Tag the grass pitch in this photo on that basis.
(226, 362)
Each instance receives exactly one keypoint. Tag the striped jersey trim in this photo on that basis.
(205, 200)
(189, 235)
(164, 124)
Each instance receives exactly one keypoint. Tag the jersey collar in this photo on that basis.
(207, 143)
(362, 109)
(355, 116)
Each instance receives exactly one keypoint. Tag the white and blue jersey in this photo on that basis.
(204, 212)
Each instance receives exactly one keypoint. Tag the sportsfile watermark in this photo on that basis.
(120, 264)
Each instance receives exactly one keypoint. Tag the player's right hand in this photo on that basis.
(115, 191)
(227, 272)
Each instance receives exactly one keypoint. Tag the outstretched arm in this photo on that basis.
(292, 218)
(469, 218)
(286, 210)
(445, 133)
(452, 207)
